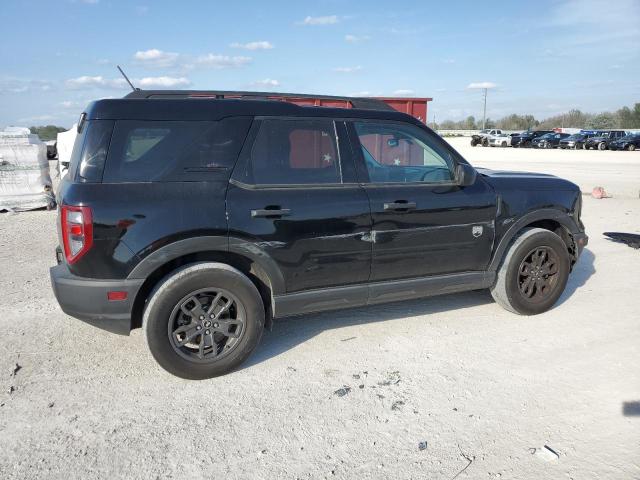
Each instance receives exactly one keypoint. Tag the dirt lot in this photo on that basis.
(486, 390)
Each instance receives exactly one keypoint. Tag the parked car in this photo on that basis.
(202, 220)
(502, 140)
(576, 140)
(602, 141)
(629, 142)
(549, 140)
(482, 137)
(526, 138)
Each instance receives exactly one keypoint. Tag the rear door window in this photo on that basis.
(294, 152)
(166, 151)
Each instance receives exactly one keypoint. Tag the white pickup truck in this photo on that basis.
(482, 137)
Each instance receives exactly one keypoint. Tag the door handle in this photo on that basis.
(270, 212)
(400, 205)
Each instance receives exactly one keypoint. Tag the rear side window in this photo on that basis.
(90, 151)
(170, 151)
(294, 152)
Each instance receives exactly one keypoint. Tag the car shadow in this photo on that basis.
(290, 332)
(581, 273)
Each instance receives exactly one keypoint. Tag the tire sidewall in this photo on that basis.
(181, 283)
(542, 238)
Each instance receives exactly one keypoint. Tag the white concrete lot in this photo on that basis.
(485, 389)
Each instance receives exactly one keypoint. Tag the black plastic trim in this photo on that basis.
(380, 292)
(561, 217)
(86, 299)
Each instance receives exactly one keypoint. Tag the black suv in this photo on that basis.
(602, 141)
(549, 140)
(525, 139)
(202, 219)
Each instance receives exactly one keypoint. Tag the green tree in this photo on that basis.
(47, 132)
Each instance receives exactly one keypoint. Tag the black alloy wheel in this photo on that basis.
(538, 274)
(206, 325)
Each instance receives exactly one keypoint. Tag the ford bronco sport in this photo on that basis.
(203, 219)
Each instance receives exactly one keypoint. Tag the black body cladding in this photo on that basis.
(338, 240)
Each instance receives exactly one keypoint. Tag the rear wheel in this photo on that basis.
(631, 147)
(485, 142)
(203, 320)
(602, 146)
(533, 273)
(504, 144)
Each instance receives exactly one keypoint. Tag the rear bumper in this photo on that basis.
(86, 299)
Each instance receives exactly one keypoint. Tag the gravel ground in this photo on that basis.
(434, 388)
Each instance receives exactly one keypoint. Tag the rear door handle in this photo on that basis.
(270, 212)
(400, 205)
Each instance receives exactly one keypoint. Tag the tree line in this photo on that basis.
(624, 117)
(47, 132)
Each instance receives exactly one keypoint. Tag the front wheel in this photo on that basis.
(631, 147)
(602, 146)
(533, 273)
(203, 320)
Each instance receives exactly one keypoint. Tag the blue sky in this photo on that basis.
(543, 57)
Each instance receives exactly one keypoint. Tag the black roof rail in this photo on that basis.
(364, 103)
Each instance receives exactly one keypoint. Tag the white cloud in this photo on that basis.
(162, 82)
(403, 92)
(156, 58)
(37, 118)
(326, 20)
(448, 61)
(356, 39)
(222, 61)
(347, 69)
(267, 82)
(261, 45)
(482, 85)
(88, 82)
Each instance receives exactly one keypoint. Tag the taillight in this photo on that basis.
(77, 231)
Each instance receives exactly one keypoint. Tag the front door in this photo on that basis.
(423, 223)
(293, 195)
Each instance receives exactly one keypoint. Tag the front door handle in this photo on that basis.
(400, 205)
(270, 212)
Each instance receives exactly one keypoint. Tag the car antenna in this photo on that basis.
(127, 79)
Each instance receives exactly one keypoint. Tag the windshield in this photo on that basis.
(576, 136)
(486, 130)
(546, 136)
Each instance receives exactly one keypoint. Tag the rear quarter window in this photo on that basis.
(174, 151)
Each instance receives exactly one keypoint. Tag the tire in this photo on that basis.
(504, 145)
(485, 142)
(507, 290)
(631, 147)
(602, 146)
(171, 308)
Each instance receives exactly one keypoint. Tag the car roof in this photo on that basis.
(215, 109)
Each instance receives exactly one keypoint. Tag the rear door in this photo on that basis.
(423, 222)
(294, 197)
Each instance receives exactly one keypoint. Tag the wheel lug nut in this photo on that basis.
(198, 327)
(201, 317)
(211, 316)
(207, 332)
(215, 325)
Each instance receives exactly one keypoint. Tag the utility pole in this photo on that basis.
(484, 112)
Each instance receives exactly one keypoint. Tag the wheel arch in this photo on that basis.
(240, 254)
(554, 220)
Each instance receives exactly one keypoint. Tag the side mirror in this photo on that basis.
(465, 175)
